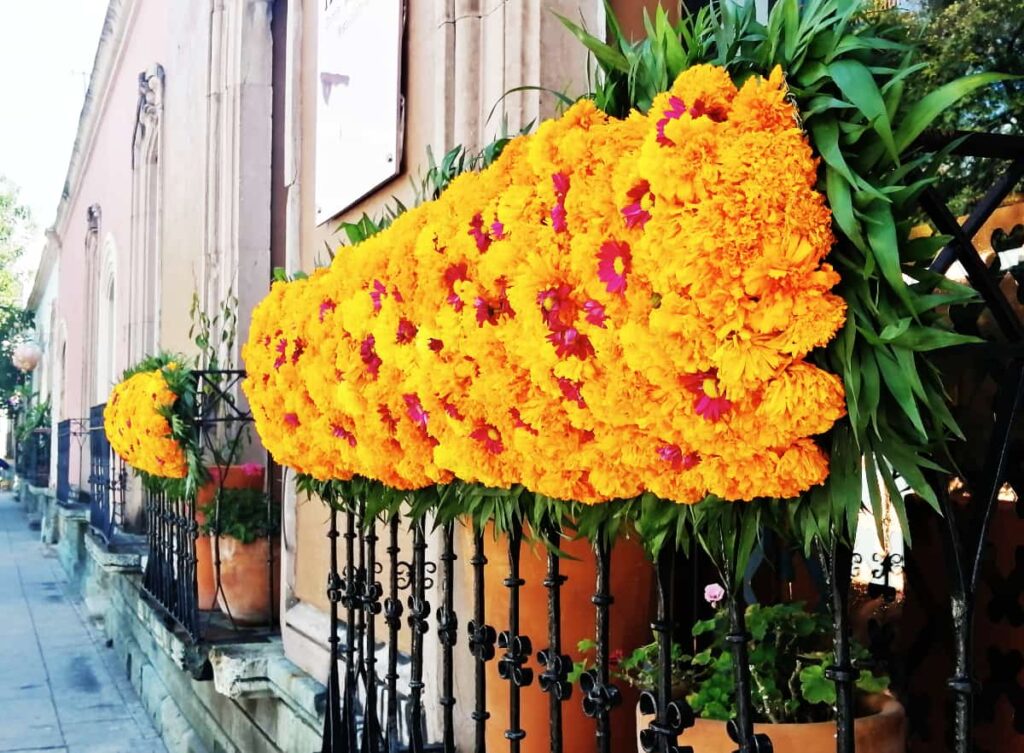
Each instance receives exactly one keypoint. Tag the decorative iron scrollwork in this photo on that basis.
(393, 611)
(555, 678)
(760, 743)
(335, 588)
(370, 596)
(598, 698)
(679, 717)
(518, 650)
(447, 626)
(481, 640)
(419, 611)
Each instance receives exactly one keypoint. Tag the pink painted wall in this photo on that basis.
(104, 178)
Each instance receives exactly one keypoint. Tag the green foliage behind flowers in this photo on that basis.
(789, 650)
(848, 73)
(244, 514)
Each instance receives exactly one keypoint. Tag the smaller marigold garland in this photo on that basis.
(143, 418)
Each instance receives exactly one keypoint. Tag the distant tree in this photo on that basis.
(15, 323)
(963, 37)
(15, 224)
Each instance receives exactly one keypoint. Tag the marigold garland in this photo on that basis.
(136, 424)
(613, 306)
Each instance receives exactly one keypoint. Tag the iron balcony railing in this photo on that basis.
(108, 480)
(34, 460)
(373, 706)
(64, 461)
(184, 569)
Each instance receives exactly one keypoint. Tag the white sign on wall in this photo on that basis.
(359, 120)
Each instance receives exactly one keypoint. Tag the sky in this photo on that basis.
(46, 54)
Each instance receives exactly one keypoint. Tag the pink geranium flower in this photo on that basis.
(614, 261)
(709, 403)
(369, 356)
(339, 432)
(595, 312)
(679, 460)
(415, 410)
(713, 594)
(570, 342)
(378, 292)
(490, 437)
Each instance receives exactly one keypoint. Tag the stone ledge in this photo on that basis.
(73, 513)
(124, 555)
(261, 670)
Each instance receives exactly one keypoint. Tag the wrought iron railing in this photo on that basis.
(372, 709)
(108, 480)
(185, 569)
(64, 461)
(34, 460)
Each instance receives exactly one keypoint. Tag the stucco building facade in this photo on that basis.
(197, 169)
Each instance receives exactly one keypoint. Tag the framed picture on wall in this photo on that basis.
(359, 114)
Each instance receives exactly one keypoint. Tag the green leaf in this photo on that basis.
(885, 247)
(922, 338)
(898, 384)
(815, 687)
(608, 57)
(921, 114)
(858, 85)
(837, 186)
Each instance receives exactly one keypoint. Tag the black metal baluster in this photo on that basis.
(965, 573)
(393, 617)
(599, 695)
(349, 599)
(837, 569)
(671, 717)
(334, 738)
(447, 634)
(482, 638)
(419, 610)
(371, 608)
(517, 648)
(554, 680)
(188, 535)
(741, 729)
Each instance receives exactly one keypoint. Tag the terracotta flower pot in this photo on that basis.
(881, 730)
(245, 571)
(236, 477)
(632, 584)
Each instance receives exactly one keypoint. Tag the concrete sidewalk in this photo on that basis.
(61, 689)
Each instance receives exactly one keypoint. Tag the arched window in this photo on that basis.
(106, 330)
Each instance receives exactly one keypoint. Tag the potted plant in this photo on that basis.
(246, 523)
(793, 699)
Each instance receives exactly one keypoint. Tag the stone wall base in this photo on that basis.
(224, 698)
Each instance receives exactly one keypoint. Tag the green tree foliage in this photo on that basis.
(15, 222)
(14, 322)
(961, 38)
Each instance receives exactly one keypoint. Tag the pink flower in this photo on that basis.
(556, 305)
(452, 275)
(614, 261)
(339, 432)
(713, 594)
(452, 410)
(488, 312)
(595, 312)
(569, 342)
(291, 419)
(327, 306)
(571, 391)
(561, 183)
(369, 356)
(435, 345)
(709, 402)
(252, 470)
(281, 348)
(558, 218)
(476, 230)
(677, 108)
(378, 292)
(300, 348)
(490, 437)
(679, 460)
(498, 230)
(415, 410)
(389, 420)
(406, 332)
(517, 420)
